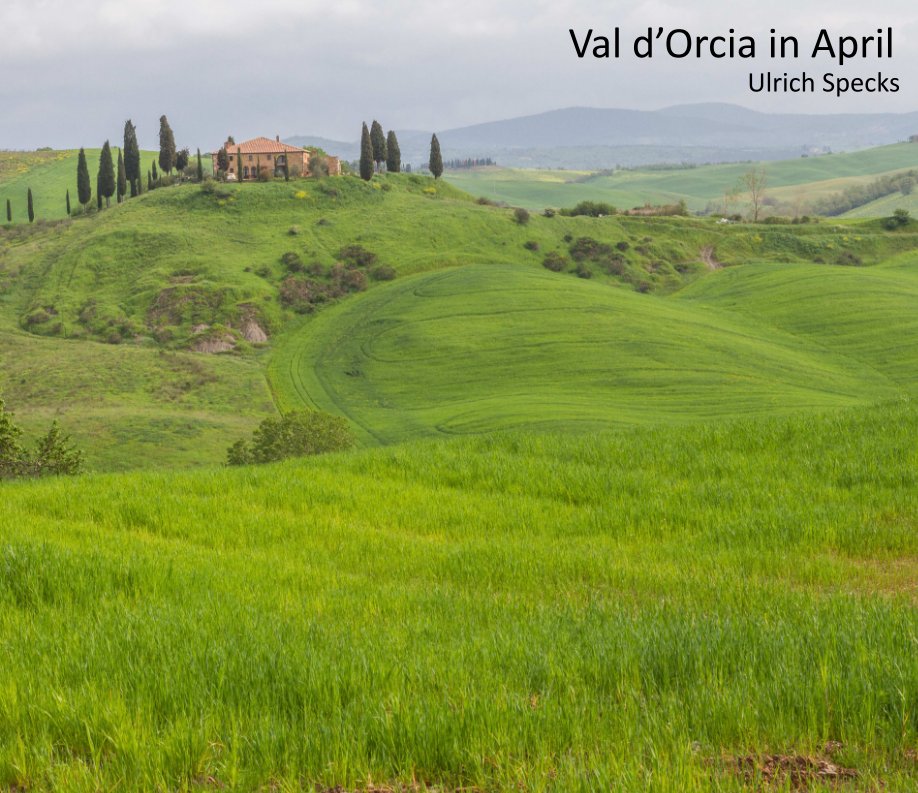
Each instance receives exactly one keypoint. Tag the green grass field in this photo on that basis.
(795, 184)
(651, 530)
(628, 611)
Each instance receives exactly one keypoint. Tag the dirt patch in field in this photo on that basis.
(709, 258)
(798, 771)
(253, 332)
(215, 344)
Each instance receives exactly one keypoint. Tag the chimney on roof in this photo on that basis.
(278, 138)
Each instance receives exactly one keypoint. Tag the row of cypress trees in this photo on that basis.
(377, 148)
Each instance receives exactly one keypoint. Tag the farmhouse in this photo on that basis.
(263, 154)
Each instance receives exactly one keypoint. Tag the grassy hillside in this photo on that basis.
(636, 611)
(490, 347)
(796, 182)
(50, 174)
(100, 317)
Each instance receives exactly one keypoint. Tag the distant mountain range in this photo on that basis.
(583, 137)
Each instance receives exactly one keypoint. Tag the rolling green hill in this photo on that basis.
(101, 317)
(491, 347)
(50, 174)
(794, 183)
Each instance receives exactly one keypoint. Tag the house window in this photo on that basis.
(251, 158)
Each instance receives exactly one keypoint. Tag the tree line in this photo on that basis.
(377, 148)
(124, 179)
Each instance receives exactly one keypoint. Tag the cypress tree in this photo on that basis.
(436, 160)
(286, 167)
(68, 203)
(166, 147)
(238, 164)
(393, 153)
(84, 187)
(366, 154)
(223, 162)
(31, 208)
(155, 174)
(200, 168)
(9, 209)
(131, 157)
(150, 180)
(99, 192)
(122, 178)
(378, 139)
(106, 175)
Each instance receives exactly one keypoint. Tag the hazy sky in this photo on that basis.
(74, 70)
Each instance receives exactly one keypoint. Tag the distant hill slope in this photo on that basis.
(797, 183)
(585, 137)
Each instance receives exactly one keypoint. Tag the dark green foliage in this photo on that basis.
(9, 208)
(393, 153)
(318, 166)
(383, 273)
(149, 180)
(521, 216)
(436, 158)
(166, 147)
(897, 220)
(84, 186)
(122, 178)
(239, 164)
(54, 454)
(593, 209)
(531, 245)
(286, 168)
(222, 160)
(131, 158)
(181, 160)
(366, 154)
(106, 174)
(555, 261)
(295, 434)
(860, 194)
(98, 192)
(31, 207)
(200, 171)
(155, 173)
(357, 256)
(293, 262)
(378, 141)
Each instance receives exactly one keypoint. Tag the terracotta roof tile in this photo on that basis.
(260, 146)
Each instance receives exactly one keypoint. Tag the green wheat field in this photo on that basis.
(652, 528)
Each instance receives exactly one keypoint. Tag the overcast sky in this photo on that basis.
(74, 70)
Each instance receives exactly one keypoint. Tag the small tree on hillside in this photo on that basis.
(131, 157)
(754, 181)
(122, 178)
(68, 203)
(393, 153)
(222, 160)
(378, 140)
(154, 173)
(106, 174)
(9, 208)
(182, 156)
(31, 208)
(436, 159)
(200, 172)
(166, 147)
(84, 186)
(366, 154)
(295, 434)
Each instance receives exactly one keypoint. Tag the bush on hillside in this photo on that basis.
(593, 209)
(54, 455)
(555, 261)
(521, 216)
(357, 255)
(292, 261)
(898, 219)
(299, 433)
(383, 273)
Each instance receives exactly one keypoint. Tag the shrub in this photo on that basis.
(583, 270)
(357, 255)
(54, 454)
(521, 216)
(622, 246)
(265, 175)
(548, 212)
(850, 259)
(588, 248)
(485, 202)
(898, 219)
(593, 209)
(295, 434)
(293, 231)
(555, 261)
(531, 245)
(383, 273)
(292, 261)
(297, 293)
